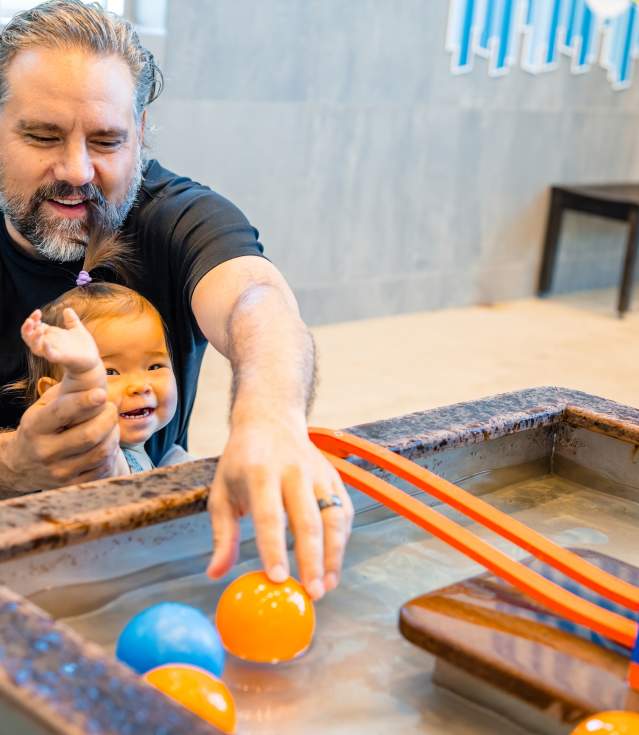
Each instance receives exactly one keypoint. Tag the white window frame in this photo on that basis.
(149, 17)
(152, 13)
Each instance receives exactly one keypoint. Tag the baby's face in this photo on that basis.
(140, 379)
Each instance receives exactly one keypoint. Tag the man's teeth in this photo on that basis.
(69, 202)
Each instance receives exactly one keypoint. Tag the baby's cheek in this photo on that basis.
(170, 395)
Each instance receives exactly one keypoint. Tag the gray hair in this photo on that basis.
(74, 24)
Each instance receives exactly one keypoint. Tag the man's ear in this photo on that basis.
(44, 384)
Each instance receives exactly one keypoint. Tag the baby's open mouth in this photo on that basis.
(137, 413)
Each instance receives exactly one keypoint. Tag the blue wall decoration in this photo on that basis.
(534, 33)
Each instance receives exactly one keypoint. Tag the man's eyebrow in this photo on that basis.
(121, 133)
(27, 126)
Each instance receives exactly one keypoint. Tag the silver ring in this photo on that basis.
(334, 502)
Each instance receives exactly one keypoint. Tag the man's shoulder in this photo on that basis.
(158, 181)
(165, 195)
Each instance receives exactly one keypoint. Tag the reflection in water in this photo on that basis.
(622, 571)
(360, 675)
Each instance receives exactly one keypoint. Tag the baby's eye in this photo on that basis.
(156, 366)
(112, 371)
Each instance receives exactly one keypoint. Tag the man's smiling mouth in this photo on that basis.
(69, 202)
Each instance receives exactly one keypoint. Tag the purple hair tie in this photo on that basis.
(83, 278)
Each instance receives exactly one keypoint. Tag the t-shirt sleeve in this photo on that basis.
(210, 231)
(188, 230)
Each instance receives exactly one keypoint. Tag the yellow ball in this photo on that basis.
(264, 622)
(609, 723)
(197, 690)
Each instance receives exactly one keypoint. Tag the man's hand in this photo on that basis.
(273, 470)
(71, 433)
(62, 439)
(269, 467)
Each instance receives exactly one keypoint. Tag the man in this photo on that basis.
(74, 86)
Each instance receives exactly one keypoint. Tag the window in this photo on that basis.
(149, 15)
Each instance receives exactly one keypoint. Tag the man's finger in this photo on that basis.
(270, 525)
(337, 522)
(86, 439)
(82, 447)
(70, 409)
(95, 455)
(304, 515)
(93, 464)
(226, 531)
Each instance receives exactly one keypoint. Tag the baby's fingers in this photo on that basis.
(33, 335)
(70, 318)
(31, 323)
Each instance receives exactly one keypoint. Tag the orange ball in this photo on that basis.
(197, 690)
(609, 723)
(264, 622)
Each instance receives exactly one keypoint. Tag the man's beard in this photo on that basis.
(57, 238)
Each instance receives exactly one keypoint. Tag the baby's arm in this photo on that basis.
(75, 351)
(72, 348)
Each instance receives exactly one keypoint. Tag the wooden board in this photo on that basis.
(526, 663)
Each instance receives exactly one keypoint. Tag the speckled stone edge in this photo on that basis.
(71, 685)
(430, 431)
(77, 513)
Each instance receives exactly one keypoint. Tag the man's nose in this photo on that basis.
(75, 165)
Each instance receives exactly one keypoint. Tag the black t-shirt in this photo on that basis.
(180, 230)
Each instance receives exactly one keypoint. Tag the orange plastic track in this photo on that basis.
(336, 445)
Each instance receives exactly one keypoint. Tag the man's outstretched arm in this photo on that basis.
(269, 467)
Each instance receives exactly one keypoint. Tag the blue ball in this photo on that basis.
(170, 633)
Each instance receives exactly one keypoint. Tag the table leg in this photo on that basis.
(628, 272)
(551, 242)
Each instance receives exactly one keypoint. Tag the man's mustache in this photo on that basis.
(64, 190)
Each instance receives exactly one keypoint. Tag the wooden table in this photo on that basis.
(502, 650)
(615, 201)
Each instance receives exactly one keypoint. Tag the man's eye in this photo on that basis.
(112, 371)
(107, 143)
(44, 139)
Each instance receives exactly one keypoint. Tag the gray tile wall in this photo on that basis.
(380, 182)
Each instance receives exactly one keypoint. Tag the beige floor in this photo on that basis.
(379, 368)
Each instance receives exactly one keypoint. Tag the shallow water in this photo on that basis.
(360, 675)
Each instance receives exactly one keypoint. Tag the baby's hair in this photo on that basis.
(106, 249)
(95, 300)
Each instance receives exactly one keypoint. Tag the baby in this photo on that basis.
(105, 335)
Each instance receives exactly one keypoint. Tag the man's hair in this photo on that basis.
(67, 24)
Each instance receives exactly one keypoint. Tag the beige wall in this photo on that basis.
(380, 182)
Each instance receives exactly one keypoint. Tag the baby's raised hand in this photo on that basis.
(72, 347)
